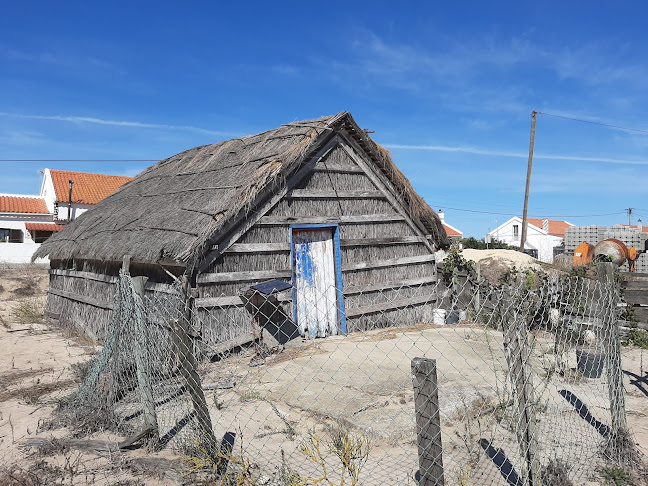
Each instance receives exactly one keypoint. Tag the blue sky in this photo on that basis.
(448, 87)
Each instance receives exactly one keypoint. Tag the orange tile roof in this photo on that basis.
(88, 188)
(556, 228)
(19, 204)
(450, 231)
(44, 227)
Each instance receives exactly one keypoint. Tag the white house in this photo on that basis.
(26, 221)
(543, 235)
(452, 232)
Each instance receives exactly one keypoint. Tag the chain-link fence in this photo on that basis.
(517, 382)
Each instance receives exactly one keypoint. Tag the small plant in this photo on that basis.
(453, 265)
(29, 312)
(352, 449)
(556, 473)
(616, 476)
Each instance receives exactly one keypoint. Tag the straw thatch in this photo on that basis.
(177, 208)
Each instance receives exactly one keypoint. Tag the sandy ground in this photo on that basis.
(362, 383)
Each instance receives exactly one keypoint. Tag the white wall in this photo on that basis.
(77, 210)
(19, 252)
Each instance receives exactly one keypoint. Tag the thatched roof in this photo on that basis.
(174, 208)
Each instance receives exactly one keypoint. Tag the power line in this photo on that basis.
(595, 123)
(515, 214)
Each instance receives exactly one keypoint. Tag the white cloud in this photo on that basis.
(118, 123)
(503, 153)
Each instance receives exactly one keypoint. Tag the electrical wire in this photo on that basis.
(594, 123)
(546, 216)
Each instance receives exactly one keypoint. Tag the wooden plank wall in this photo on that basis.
(387, 267)
(636, 294)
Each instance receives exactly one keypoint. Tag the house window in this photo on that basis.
(516, 233)
(41, 236)
(11, 235)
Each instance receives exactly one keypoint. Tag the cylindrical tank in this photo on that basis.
(613, 248)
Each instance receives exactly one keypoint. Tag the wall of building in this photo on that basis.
(366, 288)
(20, 252)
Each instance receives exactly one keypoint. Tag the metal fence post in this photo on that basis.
(428, 422)
(518, 352)
(612, 343)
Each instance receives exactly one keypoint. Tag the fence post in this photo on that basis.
(428, 422)
(518, 352)
(612, 344)
(143, 378)
(187, 362)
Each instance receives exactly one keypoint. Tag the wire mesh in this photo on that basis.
(526, 375)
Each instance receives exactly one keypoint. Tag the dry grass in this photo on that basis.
(29, 312)
(33, 394)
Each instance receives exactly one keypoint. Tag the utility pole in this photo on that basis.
(528, 181)
(630, 216)
(69, 218)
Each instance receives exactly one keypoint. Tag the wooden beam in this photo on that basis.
(85, 275)
(428, 422)
(252, 276)
(344, 243)
(391, 262)
(81, 298)
(391, 305)
(377, 287)
(331, 194)
(258, 247)
(337, 168)
(393, 240)
(224, 347)
(230, 301)
(344, 219)
(111, 279)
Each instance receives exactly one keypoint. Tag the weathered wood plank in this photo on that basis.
(258, 247)
(242, 276)
(328, 194)
(635, 297)
(224, 347)
(641, 313)
(344, 243)
(337, 168)
(255, 275)
(394, 240)
(344, 219)
(231, 301)
(391, 305)
(81, 298)
(428, 422)
(376, 287)
(111, 279)
(86, 275)
(391, 262)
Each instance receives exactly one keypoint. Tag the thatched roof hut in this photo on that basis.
(177, 208)
(189, 211)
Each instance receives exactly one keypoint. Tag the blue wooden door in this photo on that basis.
(316, 307)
